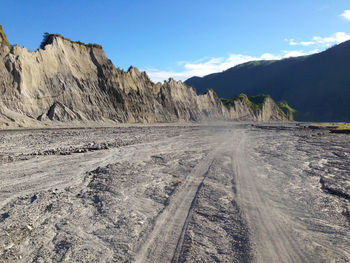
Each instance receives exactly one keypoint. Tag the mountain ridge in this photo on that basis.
(68, 81)
(317, 85)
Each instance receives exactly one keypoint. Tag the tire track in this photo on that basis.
(216, 230)
(179, 247)
(164, 242)
(270, 234)
(273, 229)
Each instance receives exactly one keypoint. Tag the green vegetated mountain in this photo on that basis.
(256, 103)
(318, 85)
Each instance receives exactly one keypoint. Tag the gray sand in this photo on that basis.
(193, 193)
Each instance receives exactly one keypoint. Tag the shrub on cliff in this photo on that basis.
(47, 37)
(3, 38)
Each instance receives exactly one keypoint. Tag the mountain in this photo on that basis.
(71, 83)
(317, 86)
(258, 106)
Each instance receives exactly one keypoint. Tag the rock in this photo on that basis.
(66, 81)
(269, 111)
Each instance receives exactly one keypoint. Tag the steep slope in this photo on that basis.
(318, 86)
(66, 81)
(3, 38)
(255, 108)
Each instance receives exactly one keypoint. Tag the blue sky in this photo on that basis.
(183, 38)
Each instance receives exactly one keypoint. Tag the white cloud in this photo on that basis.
(336, 38)
(207, 66)
(212, 65)
(159, 76)
(268, 56)
(307, 43)
(346, 14)
(293, 53)
(292, 42)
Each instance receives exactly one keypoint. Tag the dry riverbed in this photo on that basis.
(179, 193)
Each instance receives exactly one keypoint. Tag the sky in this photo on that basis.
(181, 39)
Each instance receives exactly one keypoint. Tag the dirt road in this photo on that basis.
(205, 193)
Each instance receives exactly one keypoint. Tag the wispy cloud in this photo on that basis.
(346, 14)
(292, 42)
(207, 66)
(294, 53)
(336, 38)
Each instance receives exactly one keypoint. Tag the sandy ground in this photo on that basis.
(194, 193)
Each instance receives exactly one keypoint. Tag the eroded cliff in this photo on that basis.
(70, 82)
(260, 108)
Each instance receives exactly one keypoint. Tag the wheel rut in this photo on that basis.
(180, 244)
(274, 238)
(165, 241)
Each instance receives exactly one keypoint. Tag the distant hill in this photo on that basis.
(318, 86)
(256, 103)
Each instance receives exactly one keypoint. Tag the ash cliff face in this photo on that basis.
(269, 111)
(67, 82)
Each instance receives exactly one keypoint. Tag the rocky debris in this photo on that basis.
(25, 145)
(59, 112)
(329, 154)
(65, 82)
(216, 230)
(74, 208)
(295, 163)
(327, 157)
(332, 186)
(108, 214)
